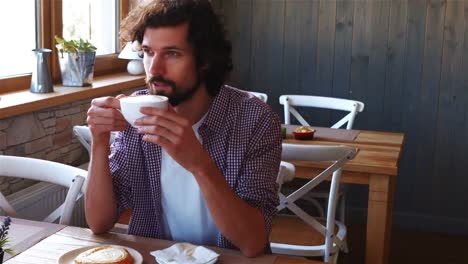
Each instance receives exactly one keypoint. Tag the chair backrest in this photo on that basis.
(84, 136)
(286, 173)
(45, 171)
(291, 101)
(334, 157)
(261, 96)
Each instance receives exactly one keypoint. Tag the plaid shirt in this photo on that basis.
(243, 137)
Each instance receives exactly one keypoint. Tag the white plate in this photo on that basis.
(69, 257)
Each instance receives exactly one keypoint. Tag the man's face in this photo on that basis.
(170, 63)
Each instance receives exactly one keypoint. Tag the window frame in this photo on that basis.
(50, 24)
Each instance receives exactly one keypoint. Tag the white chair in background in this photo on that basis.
(286, 173)
(261, 96)
(45, 171)
(84, 136)
(302, 234)
(290, 102)
(351, 107)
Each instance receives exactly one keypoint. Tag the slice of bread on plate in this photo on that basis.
(109, 254)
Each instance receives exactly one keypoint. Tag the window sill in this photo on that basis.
(20, 102)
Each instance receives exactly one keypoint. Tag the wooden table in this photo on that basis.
(375, 165)
(63, 239)
(25, 233)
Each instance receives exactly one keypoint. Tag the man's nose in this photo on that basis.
(156, 66)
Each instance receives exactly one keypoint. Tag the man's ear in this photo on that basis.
(203, 70)
(204, 67)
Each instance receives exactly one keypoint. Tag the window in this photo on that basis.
(96, 21)
(17, 41)
(91, 20)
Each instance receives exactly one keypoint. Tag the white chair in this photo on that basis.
(286, 173)
(302, 234)
(261, 96)
(290, 102)
(84, 136)
(45, 171)
(352, 107)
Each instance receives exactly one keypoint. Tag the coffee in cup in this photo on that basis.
(130, 106)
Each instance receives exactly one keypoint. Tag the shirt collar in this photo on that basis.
(218, 108)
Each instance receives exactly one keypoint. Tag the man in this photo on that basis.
(203, 171)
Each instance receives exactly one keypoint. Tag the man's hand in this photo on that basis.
(104, 116)
(174, 134)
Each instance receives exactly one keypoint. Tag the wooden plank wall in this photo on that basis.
(407, 60)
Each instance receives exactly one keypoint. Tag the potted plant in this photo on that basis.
(4, 238)
(76, 59)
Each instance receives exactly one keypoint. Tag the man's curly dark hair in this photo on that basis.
(206, 34)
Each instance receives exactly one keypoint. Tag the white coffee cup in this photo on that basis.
(130, 105)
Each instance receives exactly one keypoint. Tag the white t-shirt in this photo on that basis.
(185, 214)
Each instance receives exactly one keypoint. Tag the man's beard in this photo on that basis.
(178, 95)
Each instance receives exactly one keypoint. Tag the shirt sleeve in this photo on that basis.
(257, 182)
(119, 172)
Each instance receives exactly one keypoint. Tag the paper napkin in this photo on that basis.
(185, 253)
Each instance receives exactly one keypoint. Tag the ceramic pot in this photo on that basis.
(77, 69)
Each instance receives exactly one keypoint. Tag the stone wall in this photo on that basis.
(46, 134)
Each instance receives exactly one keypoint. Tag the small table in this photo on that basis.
(375, 165)
(68, 238)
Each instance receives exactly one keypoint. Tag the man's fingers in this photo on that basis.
(162, 122)
(168, 114)
(161, 141)
(105, 112)
(167, 119)
(106, 121)
(108, 128)
(106, 102)
(159, 131)
(120, 96)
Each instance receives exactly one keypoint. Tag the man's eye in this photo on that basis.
(148, 52)
(172, 54)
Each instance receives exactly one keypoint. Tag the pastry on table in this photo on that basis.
(109, 254)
